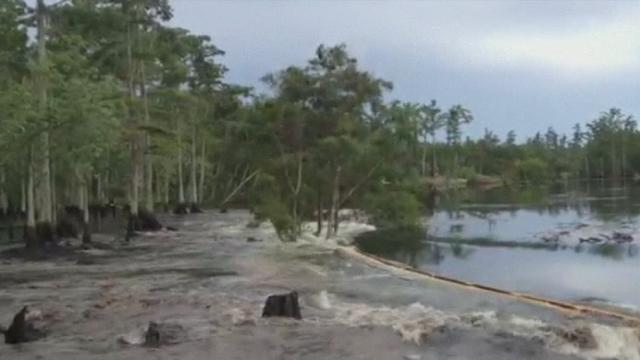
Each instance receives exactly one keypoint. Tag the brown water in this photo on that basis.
(209, 280)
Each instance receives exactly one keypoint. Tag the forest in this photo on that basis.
(103, 103)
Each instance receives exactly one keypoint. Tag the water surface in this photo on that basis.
(535, 240)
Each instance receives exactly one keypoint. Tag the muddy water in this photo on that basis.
(209, 280)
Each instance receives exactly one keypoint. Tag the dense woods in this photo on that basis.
(102, 101)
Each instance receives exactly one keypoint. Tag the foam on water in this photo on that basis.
(416, 322)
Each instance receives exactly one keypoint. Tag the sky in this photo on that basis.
(521, 65)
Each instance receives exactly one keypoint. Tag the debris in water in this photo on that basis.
(22, 328)
(582, 337)
(283, 305)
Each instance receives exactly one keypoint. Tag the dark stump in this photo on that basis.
(195, 209)
(160, 334)
(147, 221)
(181, 209)
(21, 330)
(282, 305)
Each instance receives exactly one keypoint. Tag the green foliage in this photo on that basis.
(465, 172)
(272, 208)
(393, 209)
(533, 170)
(118, 91)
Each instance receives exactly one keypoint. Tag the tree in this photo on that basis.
(431, 121)
(454, 118)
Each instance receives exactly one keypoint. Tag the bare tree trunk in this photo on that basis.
(434, 162)
(99, 192)
(148, 161)
(44, 176)
(30, 238)
(135, 178)
(424, 159)
(602, 172)
(158, 187)
(335, 199)
(134, 142)
(83, 204)
(586, 167)
(239, 187)
(4, 202)
(166, 187)
(180, 182)
(54, 196)
(203, 170)
(23, 195)
(194, 166)
(296, 194)
(319, 211)
(614, 168)
(149, 198)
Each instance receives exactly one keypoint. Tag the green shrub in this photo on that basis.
(277, 212)
(393, 208)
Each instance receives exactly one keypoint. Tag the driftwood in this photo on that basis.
(282, 305)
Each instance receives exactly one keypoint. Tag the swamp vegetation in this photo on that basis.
(103, 104)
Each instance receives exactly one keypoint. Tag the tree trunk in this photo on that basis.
(586, 167)
(30, 238)
(135, 178)
(134, 141)
(23, 196)
(44, 176)
(166, 187)
(54, 196)
(99, 192)
(4, 202)
(148, 161)
(434, 162)
(614, 170)
(319, 211)
(194, 165)
(424, 159)
(602, 172)
(203, 166)
(180, 182)
(335, 199)
(83, 203)
(149, 198)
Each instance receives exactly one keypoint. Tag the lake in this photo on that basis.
(577, 244)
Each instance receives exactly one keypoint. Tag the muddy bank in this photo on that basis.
(212, 282)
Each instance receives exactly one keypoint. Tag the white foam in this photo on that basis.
(413, 323)
(614, 343)
(133, 337)
(320, 300)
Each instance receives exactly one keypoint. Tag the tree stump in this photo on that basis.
(160, 334)
(195, 209)
(181, 209)
(282, 305)
(21, 330)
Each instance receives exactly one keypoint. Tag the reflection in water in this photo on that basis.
(494, 238)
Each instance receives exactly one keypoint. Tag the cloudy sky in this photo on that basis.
(517, 65)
